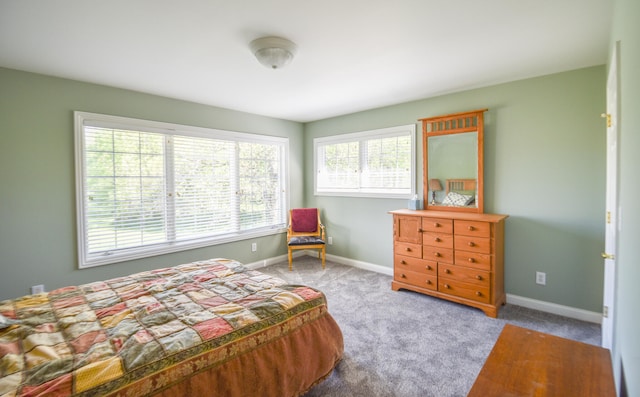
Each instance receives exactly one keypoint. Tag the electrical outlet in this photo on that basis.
(254, 247)
(37, 289)
(330, 240)
(541, 278)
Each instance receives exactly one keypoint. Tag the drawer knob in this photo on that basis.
(436, 254)
(436, 224)
(471, 243)
(478, 293)
(420, 230)
(428, 282)
(471, 228)
(428, 267)
(479, 277)
(447, 271)
(447, 286)
(403, 262)
(408, 249)
(403, 275)
(437, 239)
(471, 260)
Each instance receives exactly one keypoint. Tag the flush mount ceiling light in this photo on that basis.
(273, 52)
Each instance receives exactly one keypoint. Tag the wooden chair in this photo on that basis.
(305, 231)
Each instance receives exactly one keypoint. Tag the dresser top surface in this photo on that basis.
(452, 215)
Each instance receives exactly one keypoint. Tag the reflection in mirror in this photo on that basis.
(453, 163)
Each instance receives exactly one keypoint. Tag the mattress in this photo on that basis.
(186, 330)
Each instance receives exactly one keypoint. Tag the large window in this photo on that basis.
(379, 163)
(146, 188)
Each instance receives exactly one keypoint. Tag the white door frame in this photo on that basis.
(613, 213)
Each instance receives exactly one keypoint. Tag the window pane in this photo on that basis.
(260, 189)
(124, 189)
(341, 166)
(388, 163)
(204, 200)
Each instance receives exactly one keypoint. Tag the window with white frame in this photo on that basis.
(146, 188)
(378, 163)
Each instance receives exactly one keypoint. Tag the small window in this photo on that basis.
(147, 188)
(378, 163)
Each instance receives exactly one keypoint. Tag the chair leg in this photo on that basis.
(290, 260)
(323, 256)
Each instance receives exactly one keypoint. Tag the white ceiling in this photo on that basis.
(352, 54)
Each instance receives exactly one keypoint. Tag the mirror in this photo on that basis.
(453, 162)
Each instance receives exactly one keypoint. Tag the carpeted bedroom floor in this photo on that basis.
(405, 344)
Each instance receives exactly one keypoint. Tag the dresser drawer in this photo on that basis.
(474, 260)
(465, 274)
(414, 278)
(438, 225)
(407, 249)
(437, 239)
(407, 263)
(439, 254)
(479, 293)
(472, 243)
(472, 228)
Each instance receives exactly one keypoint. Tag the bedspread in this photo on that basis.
(145, 333)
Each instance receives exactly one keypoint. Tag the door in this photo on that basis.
(611, 225)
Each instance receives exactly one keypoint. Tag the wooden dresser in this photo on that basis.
(456, 256)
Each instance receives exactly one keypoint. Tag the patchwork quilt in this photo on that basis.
(138, 334)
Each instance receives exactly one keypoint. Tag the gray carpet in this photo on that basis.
(405, 344)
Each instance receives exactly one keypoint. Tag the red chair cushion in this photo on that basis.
(304, 220)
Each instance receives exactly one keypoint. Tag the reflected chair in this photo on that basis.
(305, 231)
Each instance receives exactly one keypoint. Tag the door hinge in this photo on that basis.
(608, 217)
(605, 311)
(608, 117)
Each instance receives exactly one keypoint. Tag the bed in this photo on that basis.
(204, 328)
(460, 193)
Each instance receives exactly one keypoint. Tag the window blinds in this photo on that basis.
(379, 163)
(144, 190)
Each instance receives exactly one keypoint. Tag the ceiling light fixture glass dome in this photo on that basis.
(273, 52)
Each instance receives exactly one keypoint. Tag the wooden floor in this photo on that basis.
(524, 362)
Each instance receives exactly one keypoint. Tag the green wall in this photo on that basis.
(37, 176)
(544, 167)
(626, 347)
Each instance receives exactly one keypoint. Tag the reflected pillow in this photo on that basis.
(457, 199)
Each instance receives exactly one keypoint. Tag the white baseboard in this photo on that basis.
(547, 307)
(269, 261)
(361, 265)
(554, 308)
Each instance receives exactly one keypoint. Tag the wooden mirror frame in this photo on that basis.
(455, 123)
